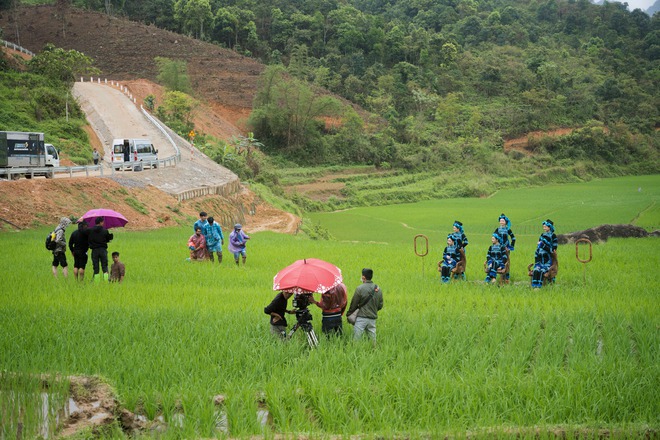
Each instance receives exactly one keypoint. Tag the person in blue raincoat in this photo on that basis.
(214, 239)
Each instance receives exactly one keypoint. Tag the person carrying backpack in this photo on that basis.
(59, 253)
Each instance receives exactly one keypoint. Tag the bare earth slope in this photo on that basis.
(125, 50)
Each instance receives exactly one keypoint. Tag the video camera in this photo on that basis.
(302, 300)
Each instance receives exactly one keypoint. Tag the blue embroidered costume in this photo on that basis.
(496, 258)
(459, 236)
(450, 258)
(543, 256)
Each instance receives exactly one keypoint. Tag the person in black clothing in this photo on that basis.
(98, 243)
(78, 245)
(276, 309)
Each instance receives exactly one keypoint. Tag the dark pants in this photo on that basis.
(80, 260)
(100, 254)
(59, 258)
(332, 325)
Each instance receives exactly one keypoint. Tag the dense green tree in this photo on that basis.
(288, 114)
(173, 74)
(60, 64)
(194, 17)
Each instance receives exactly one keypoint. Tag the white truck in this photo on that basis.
(27, 151)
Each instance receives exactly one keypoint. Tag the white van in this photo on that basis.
(132, 151)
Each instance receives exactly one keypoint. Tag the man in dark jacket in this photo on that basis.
(98, 242)
(276, 309)
(78, 245)
(368, 297)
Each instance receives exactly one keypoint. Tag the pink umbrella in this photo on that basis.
(113, 219)
(309, 275)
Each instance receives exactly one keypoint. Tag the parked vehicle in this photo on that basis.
(27, 150)
(132, 152)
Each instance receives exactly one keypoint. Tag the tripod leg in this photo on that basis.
(312, 339)
(292, 331)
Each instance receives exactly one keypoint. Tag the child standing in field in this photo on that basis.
(496, 259)
(451, 258)
(546, 248)
(117, 270)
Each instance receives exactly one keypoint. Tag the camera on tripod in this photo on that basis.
(302, 300)
(304, 317)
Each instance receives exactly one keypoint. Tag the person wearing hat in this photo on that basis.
(451, 258)
(237, 241)
(59, 253)
(545, 248)
(504, 232)
(496, 259)
(459, 235)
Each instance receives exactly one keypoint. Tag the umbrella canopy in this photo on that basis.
(308, 275)
(113, 219)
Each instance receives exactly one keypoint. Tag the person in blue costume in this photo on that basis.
(496, 259)
(543, 257)
(451, 259)
(504, 231)
(459, 235)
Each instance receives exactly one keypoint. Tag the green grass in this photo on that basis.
(572, 207)
(450, 358)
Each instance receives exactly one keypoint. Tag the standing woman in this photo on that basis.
(504, 232)
(459, 235)
(543, 257)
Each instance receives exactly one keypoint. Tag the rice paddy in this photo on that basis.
(462, 359)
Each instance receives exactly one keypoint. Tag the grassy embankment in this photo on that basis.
(450, 358)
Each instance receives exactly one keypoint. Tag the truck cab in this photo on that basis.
(52, 156)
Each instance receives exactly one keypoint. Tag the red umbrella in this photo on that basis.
(308, 275)
(113, 219)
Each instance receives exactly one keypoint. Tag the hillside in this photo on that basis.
(124, 50)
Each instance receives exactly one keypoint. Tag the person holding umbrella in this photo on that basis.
(79, 245)
(333, 303)
(99, 237)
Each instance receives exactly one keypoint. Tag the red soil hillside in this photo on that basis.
(125, 50)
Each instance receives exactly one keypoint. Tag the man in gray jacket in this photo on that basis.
(368, 297)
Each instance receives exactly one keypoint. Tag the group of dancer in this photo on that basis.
(208, 240)
(503, 241)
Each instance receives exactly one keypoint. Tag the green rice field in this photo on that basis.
(577, 358)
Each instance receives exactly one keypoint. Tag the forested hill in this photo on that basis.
(451, 78)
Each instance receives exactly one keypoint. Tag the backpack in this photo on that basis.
(51, 243)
